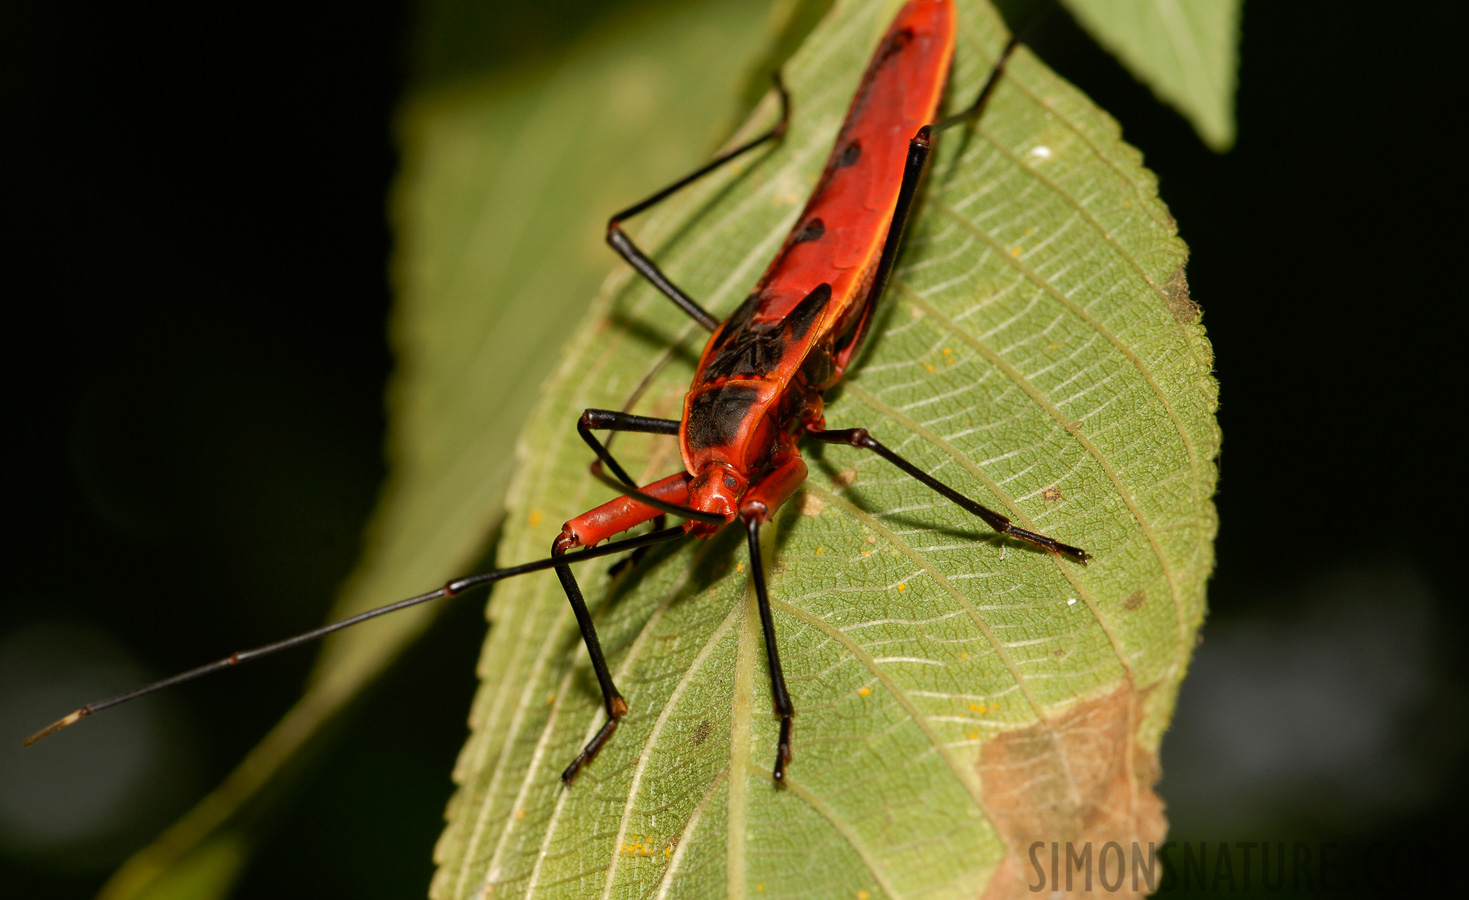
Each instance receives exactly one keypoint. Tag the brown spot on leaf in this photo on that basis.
(1135, 600)
(1079, 776)
(1184, 309)
(701, 734)
(1051, 494)
(845, 477)
(809, 504)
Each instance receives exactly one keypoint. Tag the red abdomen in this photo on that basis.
(799, 327)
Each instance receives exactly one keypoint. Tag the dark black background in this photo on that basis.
(195, 272)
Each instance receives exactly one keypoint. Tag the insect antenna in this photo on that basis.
(450, 589)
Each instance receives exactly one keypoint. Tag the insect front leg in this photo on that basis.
(616, 420)
(587, 530)
(613, 420)
(763, 498)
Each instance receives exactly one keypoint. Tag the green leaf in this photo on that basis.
(1187, 51)
(499, 215)
(957, 696)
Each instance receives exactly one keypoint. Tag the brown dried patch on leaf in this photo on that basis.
(1184, 309)
(1135, 600)
(1051, 495)
(1079, 777)
(809, 504)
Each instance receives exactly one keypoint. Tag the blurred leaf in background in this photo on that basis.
(1186, 51)
(506, 183)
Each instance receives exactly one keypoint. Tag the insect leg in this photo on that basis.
(977, 107)
(639, 260)
(858, 437)
(615, 420)
(782, 697)
(612, 420)
(763, 497)
(587, 530)
(611, 699)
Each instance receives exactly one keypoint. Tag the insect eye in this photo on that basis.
(730, 482)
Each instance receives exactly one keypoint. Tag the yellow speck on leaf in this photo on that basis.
(863, 895)
(872, 539)
(974, 735)
(863, 691)
(550, 698)
(820, 550)
(963, 655)
(1015, 252)
(929, 367)
(535, 517)
(977, 707)
(739, 567)
(903, 587)
(866, 553)
(520, 814)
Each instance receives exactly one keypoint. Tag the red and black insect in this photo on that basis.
(758, 388)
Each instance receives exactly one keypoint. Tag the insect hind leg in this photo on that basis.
(641, 262)
(970, 113)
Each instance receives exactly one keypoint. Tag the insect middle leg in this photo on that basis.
(613, 420)
(858, 437)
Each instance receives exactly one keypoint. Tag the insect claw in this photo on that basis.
(782, 750)
(1075, 553)
(569, 773)
(589, 752)
(779, 131)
